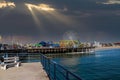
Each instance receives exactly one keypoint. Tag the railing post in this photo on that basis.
(48, 66)
(41, 59)
(45, 63)
(67, 75)
(54, 71)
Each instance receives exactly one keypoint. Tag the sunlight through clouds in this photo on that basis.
(47, 11)
(61, 18)
(112, 2)
(43, 7)
(30, 8)
(4, 4)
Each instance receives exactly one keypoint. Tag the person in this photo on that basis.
(2, 60)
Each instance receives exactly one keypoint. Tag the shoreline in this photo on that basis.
(107, 48)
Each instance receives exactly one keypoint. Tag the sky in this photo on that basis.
(54, 20)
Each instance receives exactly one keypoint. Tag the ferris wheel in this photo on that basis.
(70, 35)
(71, 38)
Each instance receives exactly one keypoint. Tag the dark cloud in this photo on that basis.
(91, 19)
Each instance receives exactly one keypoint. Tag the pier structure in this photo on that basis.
(47, 50)
(47, 69)
(52, 68)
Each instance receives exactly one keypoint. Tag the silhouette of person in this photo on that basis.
(2, 59)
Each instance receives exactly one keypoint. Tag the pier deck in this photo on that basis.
(27, 71)
(47, 50)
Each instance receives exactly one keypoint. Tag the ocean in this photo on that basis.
(103, 65)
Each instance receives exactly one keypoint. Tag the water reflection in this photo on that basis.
(67, 55)
(70, 61)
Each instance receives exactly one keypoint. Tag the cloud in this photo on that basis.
(111, 2)
(44, 7)
(4, 4)
(82, 16)
(65, 9)
(48, 12)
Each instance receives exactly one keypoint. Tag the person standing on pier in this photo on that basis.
(2, 60)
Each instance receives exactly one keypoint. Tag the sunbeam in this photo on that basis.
(57, 16)
(39, 7)
(61, 18)
(48, 12)
(30, 8)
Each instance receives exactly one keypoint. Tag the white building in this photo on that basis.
(97, 44)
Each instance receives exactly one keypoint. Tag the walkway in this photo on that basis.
(27, 71)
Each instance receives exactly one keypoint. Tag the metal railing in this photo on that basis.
(56, 71)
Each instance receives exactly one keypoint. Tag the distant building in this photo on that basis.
(97, 44)
(117, 44)
(107, 44)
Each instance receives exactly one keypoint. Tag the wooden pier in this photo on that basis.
(50, 50)
(28, 71)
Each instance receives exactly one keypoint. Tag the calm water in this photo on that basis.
(104, 65)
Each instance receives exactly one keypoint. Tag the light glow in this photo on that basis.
(4, 4)
(48, 12)
(39, 7)
(30, 6)
(43, 7)
(112, 2)
(62, 18)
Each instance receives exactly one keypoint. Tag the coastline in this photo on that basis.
(107, 48)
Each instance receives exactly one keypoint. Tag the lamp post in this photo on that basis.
(0, 39)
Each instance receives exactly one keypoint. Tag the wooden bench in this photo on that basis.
(9, 62)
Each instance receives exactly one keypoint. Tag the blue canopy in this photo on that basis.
(43, 43)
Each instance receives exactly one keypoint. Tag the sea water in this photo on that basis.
(104, 65)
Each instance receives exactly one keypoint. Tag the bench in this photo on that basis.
(9, 62)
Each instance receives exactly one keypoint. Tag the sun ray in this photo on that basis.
(30, 8)
(50, 13)
(39, 7)
(62, 18)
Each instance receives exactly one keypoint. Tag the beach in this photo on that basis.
(106, 48)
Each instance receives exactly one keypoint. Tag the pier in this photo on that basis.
(44, 70)
(50, 50)
(28, 71)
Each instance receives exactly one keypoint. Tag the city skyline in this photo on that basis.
(91, 20)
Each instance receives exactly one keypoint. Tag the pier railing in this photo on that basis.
(56, 71)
